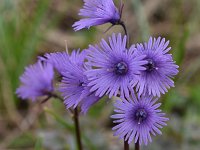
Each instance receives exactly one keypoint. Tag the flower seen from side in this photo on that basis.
(36, 81)
(137, 119)
(97, 12)
(74, 85)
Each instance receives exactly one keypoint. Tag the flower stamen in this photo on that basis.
(150, 65)
(140, 115)
(121, 68)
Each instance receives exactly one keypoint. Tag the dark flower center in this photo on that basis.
(150, 65)
(140, 115)
(121, 68)
(81, 83)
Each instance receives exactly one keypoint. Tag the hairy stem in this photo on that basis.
(126, 145)
(77, 128)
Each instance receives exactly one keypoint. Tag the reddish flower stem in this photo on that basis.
(77, 129)
(137, 145)
(126, 145)
(126, 33)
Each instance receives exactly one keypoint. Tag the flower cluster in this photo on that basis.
(136, 74)
(116, 67)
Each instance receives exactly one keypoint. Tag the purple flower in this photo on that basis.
(156, 79)
(36, 81)
(138, 119)
(114, 67)
(97, 12)
(74, 84)
(60, 60)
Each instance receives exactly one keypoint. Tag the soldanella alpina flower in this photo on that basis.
(160, 69)
(36, 81)
(137, 119)
(114, 67)
(97, 12)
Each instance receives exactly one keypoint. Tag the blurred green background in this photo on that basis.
(29, 28)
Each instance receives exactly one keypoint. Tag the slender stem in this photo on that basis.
(124, 27)
(46, 99)
(126, 32)
(77, 128)
(126, 145)
(109, 28)
(57, 96)
(50, 95)
(137, 145)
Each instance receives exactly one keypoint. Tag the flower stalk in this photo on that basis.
(125, 31)
(126, 145)
(77, 129)
(50, 95)
(137, 145)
